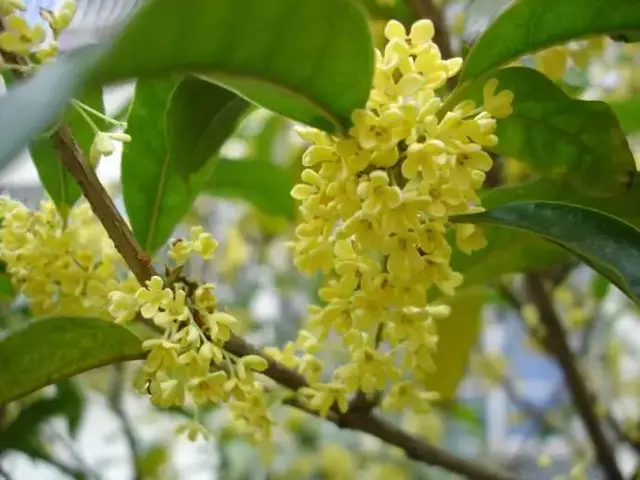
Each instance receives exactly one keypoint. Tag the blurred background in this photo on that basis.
(512, 406)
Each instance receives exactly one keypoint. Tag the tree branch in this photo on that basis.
(557, 341)
(138, 261)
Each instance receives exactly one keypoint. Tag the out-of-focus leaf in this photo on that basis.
(457, 334)
(262, 184)
(628, 112)
(52, 349)
(312, 61)
(33, 106)
(606, 243)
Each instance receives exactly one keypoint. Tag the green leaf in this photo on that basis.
(604, 242)
(580, 141)
(166, 135)
(312, 61)
(531, 25)
(628, 113)
(623, 206)
(508, 251)
(263, 184)
(68, 401)
(32, 106)
(457, 335)
(55, 178)
(200, 118)
(49, 350)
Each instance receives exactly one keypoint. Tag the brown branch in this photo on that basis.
(414, 447)
(582, 399)
(73, 158)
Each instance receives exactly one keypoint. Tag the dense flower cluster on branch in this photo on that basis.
(375, 207)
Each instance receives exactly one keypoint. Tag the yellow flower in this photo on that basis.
(498, 106)
(153, 297)
(123, 306)
(418, 38)
(174, 309)
(377, 194)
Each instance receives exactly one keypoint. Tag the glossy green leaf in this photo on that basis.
(263, 184)
(558, 136)
(32, 107)
(157, 193)
(311, 61)
(510, 250)
(628, 113)
(200, 118)
(531, 25)
(623, 206)
(55, 178)
(49, 350)
(604, 242)
(457, 335)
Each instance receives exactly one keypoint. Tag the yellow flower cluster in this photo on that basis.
(375, 206)
(188, 362)
(27, 41)
(62, 267)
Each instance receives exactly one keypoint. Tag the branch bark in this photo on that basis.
(138, 261)
(556, 339)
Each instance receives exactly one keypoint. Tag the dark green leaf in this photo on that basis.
(52, 349)
(628, 112)
(262, 184)
(627, 37)
(511, 250)
(25, 427)
(32, 107)
(531, 25)
(156, 194)
(580, 141)
(72, 401)
(604, 242)
(623, 206)
(55, 178)
(311, 61)
(200, 118)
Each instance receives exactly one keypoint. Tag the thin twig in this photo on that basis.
(73, 158)
(582, 399)
(116, 404)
